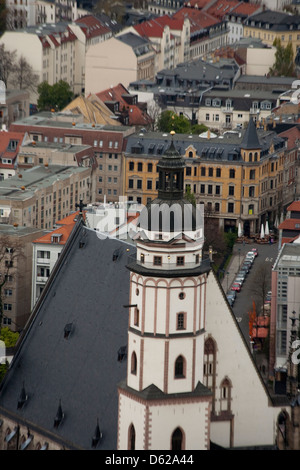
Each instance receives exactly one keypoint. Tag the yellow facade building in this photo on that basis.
(270, 25)
(239, 177)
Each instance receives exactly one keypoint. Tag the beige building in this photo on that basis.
(128, 57)
(35, 153)
(38, 197)
(16, 266)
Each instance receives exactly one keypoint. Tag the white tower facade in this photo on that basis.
(163, 404)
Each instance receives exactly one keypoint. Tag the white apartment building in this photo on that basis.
(23, 13)
(45, 252)
(57, 51)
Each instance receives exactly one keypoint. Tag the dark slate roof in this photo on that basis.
(276, 20)
(222, 148)
(82, 371)
(250, 139)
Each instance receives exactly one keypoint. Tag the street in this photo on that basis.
(267, 255)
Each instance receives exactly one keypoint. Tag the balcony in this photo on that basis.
(41, 279)
(43, 261)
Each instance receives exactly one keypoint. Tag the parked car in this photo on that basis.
(239, 279)
(250, 256)
(255, 251)
(245, 269)
(248, 263)
(268, 297)
(235, 286)
(230, 299)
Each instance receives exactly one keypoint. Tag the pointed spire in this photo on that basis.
(250, 139)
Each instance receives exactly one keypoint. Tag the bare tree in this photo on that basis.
(10, 252)
(23, 76)
(7, 62)
(261, 285)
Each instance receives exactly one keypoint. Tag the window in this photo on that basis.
(179, 372)
(230, 207)
(157, 261)
(7, 307)
(131, 438)
(149, 184)
(139, 184)
(130, 183)
(188, 171)
(218, 172)
(131, 166)
(210, 189)
(202, 188)
(140, 166)
(252, 175)
(180, 261)
(180, 321)
(136, 316)
(251, 191)
(217, 207)
(177, 440)
(203, 171)
(218, 190)
(232, 173)
(231, 190)
(133, 363)
(150, 167)
(7, 292)
(210, 172)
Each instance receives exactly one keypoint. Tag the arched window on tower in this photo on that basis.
(180, 368)
(225, 398)
(133, 363)
(209, 367)
(131, 438)
(177, 440)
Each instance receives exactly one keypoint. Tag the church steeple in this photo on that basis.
(171, 174)
(250, 140)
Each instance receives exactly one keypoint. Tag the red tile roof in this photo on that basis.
(91, 26)
(67, 225)
(5, 138)
(295, 206)
(136, 115)
(292, 134)
(198, 18)
(290, 224)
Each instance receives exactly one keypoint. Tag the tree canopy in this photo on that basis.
(55, 96)
(169, 121)
(284, 64)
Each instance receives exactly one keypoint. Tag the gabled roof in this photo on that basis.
(92, 26)
(155, 27)
(92, 109)
(82, 370)
(65, 228)
(118, 93)
(199, 19)
(294, 207)
(7, 150)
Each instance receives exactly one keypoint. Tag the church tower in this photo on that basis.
(163, 404)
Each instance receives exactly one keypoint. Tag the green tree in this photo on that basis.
(284, 64)
(189, 196)
(55, 96)
(169, 121)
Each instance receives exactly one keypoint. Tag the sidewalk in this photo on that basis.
(237, 257)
